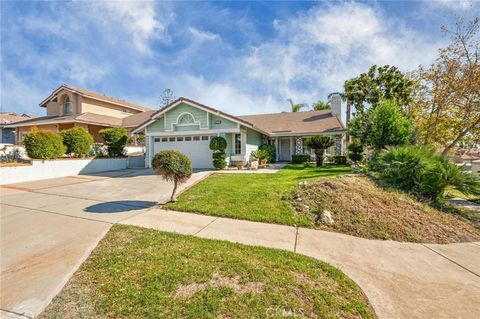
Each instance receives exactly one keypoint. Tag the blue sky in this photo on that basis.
(241, 57)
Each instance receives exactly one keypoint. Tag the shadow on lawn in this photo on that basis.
(119, 206)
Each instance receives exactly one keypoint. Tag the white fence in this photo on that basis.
(43, 169)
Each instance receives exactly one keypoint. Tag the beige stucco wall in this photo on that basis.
(25, 129)
(99, 107)
(92, 129)
(56, 107)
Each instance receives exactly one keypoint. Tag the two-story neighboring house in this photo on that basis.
(69, 106)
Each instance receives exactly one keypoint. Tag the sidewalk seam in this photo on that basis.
(49, 212)
(296, 238)
(205, 226)
(15, 313)
(451, 260)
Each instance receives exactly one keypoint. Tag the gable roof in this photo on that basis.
(274, 124)
(297, 123)
(87, 118)
(198, 105)
(12, 117)
(94, 95)
(135, 120)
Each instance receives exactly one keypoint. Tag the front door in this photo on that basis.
(285, 149)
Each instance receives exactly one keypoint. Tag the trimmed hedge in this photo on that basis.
(300, 158)
(77, 141)
(115, 138)
(218, 145)
(44, 144)
(340, 159)
(355, 151)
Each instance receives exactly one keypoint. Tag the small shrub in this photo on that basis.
(172, 166)
(77, 141)
(271, 151)
(340, 159)
(115, 138)
(261, 155)
(218, 145)
(423, 171)
(41, 144)
(98, 150)
(355, 151)
(300, 158)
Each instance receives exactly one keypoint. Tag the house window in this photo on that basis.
(188, 138)
(157, 139)
(186, 119)
(196, 138)
(68, 106)
(180, 139)
(238, 144)
(204, 138)
(164, 139)
(171, 139)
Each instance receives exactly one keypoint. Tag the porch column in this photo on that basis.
(338, 144)
(299, 145)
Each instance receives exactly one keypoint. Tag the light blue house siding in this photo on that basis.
(206, 123)
(172, 115)
(219, 123)
(253, 141)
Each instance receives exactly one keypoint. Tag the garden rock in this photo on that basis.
(326, 217)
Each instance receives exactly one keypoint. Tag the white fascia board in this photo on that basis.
(197, 132)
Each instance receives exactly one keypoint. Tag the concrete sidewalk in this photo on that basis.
(401, 280)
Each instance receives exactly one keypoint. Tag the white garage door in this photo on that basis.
(195, 147)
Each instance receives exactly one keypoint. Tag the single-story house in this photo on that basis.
(7, 134)
(187, 126)
(69, 106)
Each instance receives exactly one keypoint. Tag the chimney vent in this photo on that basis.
(336, 104)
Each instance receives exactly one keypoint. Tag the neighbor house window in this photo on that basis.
(238, 144)
(68, 106)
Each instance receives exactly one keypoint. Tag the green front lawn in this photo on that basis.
(256, 197)
(142, 273)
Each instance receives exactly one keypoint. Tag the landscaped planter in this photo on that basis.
(43, 169)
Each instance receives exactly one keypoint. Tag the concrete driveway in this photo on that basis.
(49, 227)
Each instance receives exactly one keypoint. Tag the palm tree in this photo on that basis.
(320, 105)
(296, 107)
(320, 144)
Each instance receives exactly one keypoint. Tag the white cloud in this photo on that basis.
(139, 19)
(456, 5)
(315, 52)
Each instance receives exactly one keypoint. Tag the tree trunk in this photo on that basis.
(175, 184)
(461, 135)
(347, 119)
(319, 157)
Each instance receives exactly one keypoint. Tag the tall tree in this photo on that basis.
(296, 107)
(379, 83)
(167, 97)
(446, 104)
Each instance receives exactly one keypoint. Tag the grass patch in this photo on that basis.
(361, 207)
(452, 193)
(143, 273)
(256, 197)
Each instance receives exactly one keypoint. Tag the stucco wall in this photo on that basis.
(59, 168)
(99, 107)
(56, 108)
